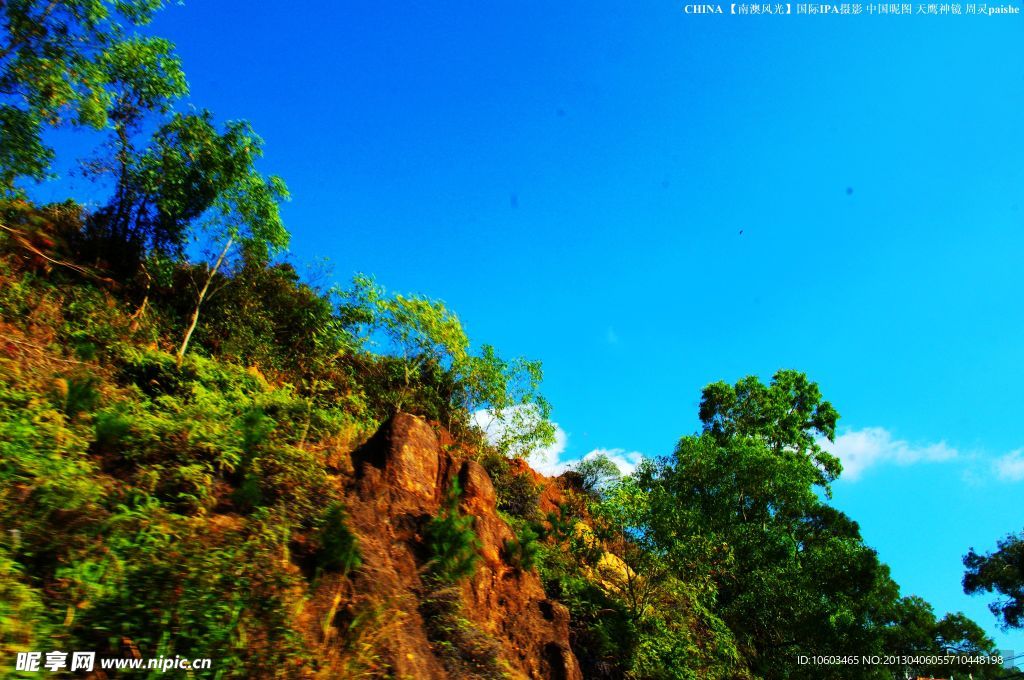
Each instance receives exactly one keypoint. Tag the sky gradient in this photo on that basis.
(649, 201)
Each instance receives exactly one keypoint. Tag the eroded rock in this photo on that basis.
(401, 477)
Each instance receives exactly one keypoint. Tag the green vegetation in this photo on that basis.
(464, 649)
(426, 348)
(521, 552)
(339, 548)
(1001, 571)
(727, 553)
(452, 542)
(171, 425)
(74, 63)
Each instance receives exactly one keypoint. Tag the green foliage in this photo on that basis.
(517, 493)
(604, 637)
(597, 474)
(735, 526)
(268, 317)
(521, 551)
(516, 416)
(142, 74)
(465, 650)
(224, 594)
(164, 189)
(785, 415)
(246, 213)
(1001, 572)
(23, 623)
(916, 633)
(70, 62)
(22, 152)
(76, 394)
(430, 368)
(106, 509)
(421, 333)
(451, 541)
(339, 548)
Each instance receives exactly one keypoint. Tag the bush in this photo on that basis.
(339, 548)
(465, 650)
(521, 551)
(517, 493)
(452, 543)
(76, 394)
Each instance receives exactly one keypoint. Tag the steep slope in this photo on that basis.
(400, 478)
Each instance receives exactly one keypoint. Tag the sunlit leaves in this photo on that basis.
(72, 62)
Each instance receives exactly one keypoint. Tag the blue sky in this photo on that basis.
(650, 201)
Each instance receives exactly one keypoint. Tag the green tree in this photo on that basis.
(644, 572)
(429, 344)
(788, 415)
(418, 331)
(143, 76)
(914, 632)
(1001, 572)
(788, 572)
(508, 393)
(246, 217)
(73, 62)
(740, 507)
(187, 166)
(597, 475)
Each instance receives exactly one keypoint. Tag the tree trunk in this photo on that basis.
(141, 311)
(199, 302)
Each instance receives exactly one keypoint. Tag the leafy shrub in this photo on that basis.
(521, 551)
(181, 589)
(452, 542)
(465, 650)
(339, 548)
(76, 394)
(111, 427)
(22, 614)
(154, 373)
(516, 492)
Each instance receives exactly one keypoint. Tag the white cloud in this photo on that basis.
(862, 449)
(1010, 467)
(545, 460)
(611, 336)
(548, 460)
(626, 461)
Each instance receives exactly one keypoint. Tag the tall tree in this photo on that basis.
(73, 62)
(246, 219)
(1001, 572)
(427, 339)
(741, 505)
(788, 415)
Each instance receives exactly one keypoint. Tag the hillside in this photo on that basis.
(289, 502)
(221, 461)
(212, 510)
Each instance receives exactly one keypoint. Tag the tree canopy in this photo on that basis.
(1002, 572)
(75, 62)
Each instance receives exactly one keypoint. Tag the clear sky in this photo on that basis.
(650, 201)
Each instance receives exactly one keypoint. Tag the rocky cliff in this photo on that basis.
(396, 483)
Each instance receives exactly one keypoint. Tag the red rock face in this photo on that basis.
(400, 479)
